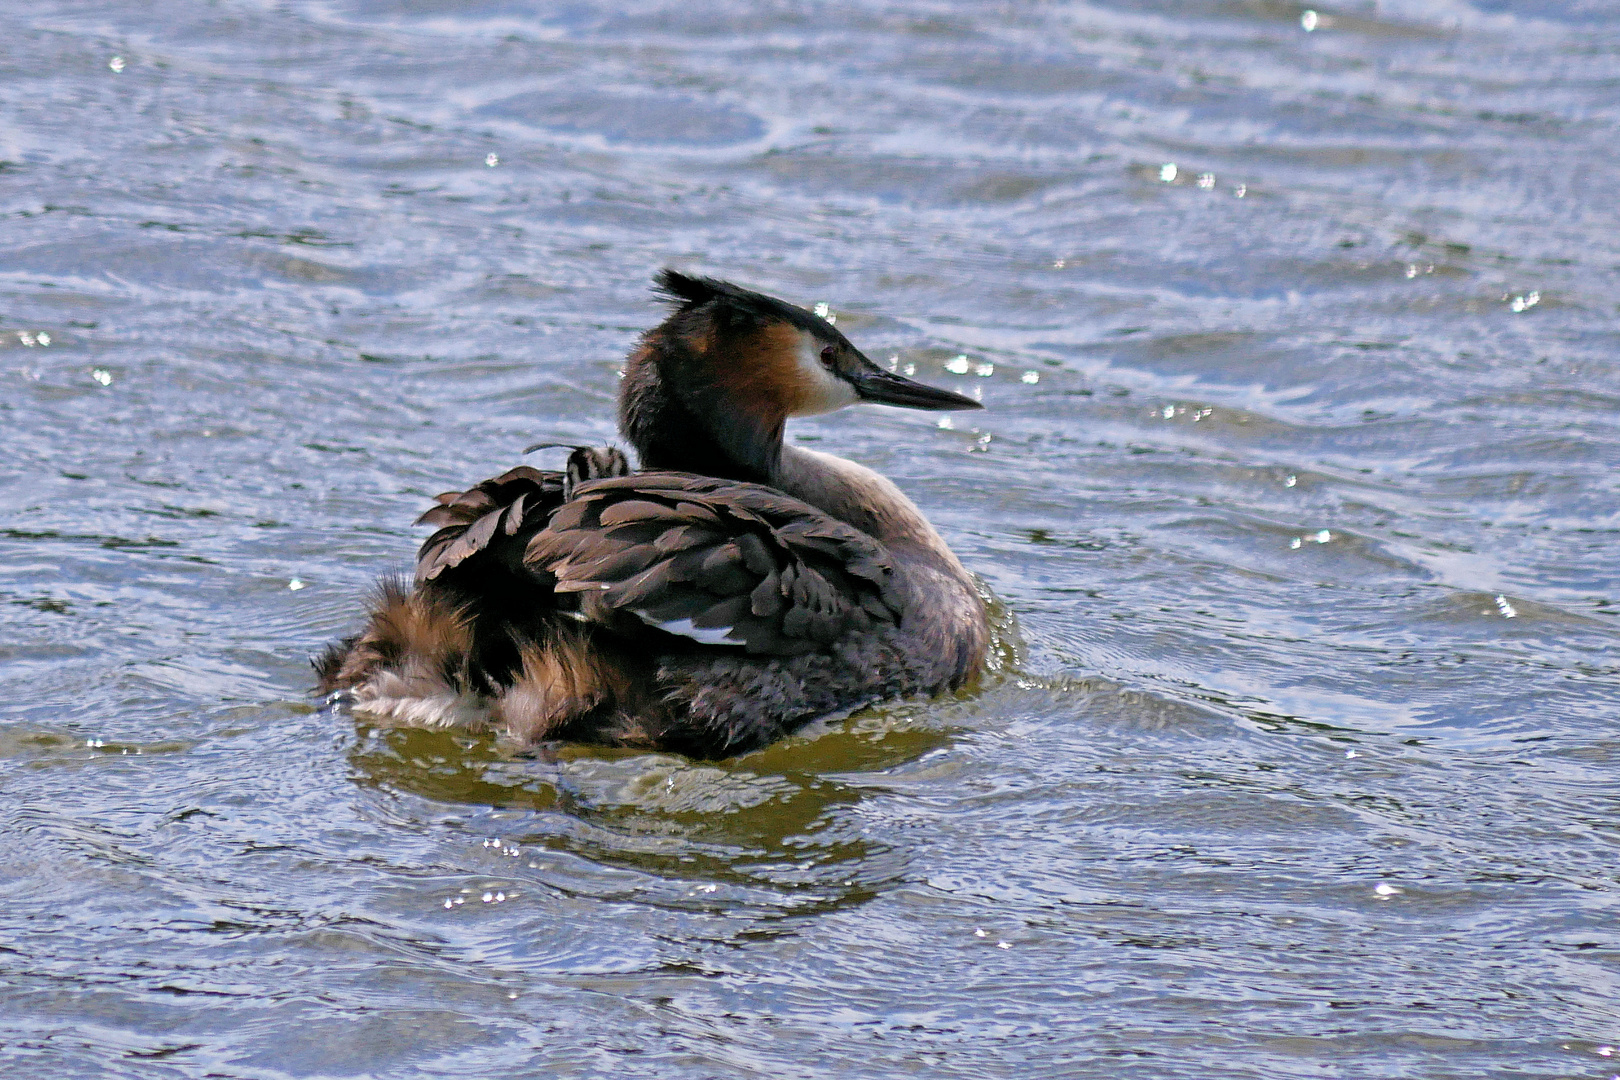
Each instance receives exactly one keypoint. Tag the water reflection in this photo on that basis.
(786, 819)
(779, 832)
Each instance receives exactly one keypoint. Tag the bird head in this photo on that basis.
(769, 357)
(738, 364)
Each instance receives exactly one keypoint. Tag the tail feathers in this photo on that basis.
(414, 665)
(572, 686)
(421, 640)
(330, 662)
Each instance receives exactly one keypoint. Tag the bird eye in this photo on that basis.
(829, 357)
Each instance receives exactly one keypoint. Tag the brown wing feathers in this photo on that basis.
(470, 519)
(716, 561)
(713, 560)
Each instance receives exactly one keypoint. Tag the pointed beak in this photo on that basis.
(874, 384)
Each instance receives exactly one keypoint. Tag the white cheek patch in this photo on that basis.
(826, 391)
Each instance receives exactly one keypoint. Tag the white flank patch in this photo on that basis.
(387, 698)
(448, 711)
(706, 635)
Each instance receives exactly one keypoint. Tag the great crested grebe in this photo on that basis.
(730, 591)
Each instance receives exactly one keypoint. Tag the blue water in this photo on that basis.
(1296, 486)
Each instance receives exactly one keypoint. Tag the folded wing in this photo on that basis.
(491, 520)
(715, 561)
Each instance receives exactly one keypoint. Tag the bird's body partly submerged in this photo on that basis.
(731, 590)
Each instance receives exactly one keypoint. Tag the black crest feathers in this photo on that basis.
(689, 291)
(735, 305)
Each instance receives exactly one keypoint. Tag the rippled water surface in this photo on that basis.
(1298, 481)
